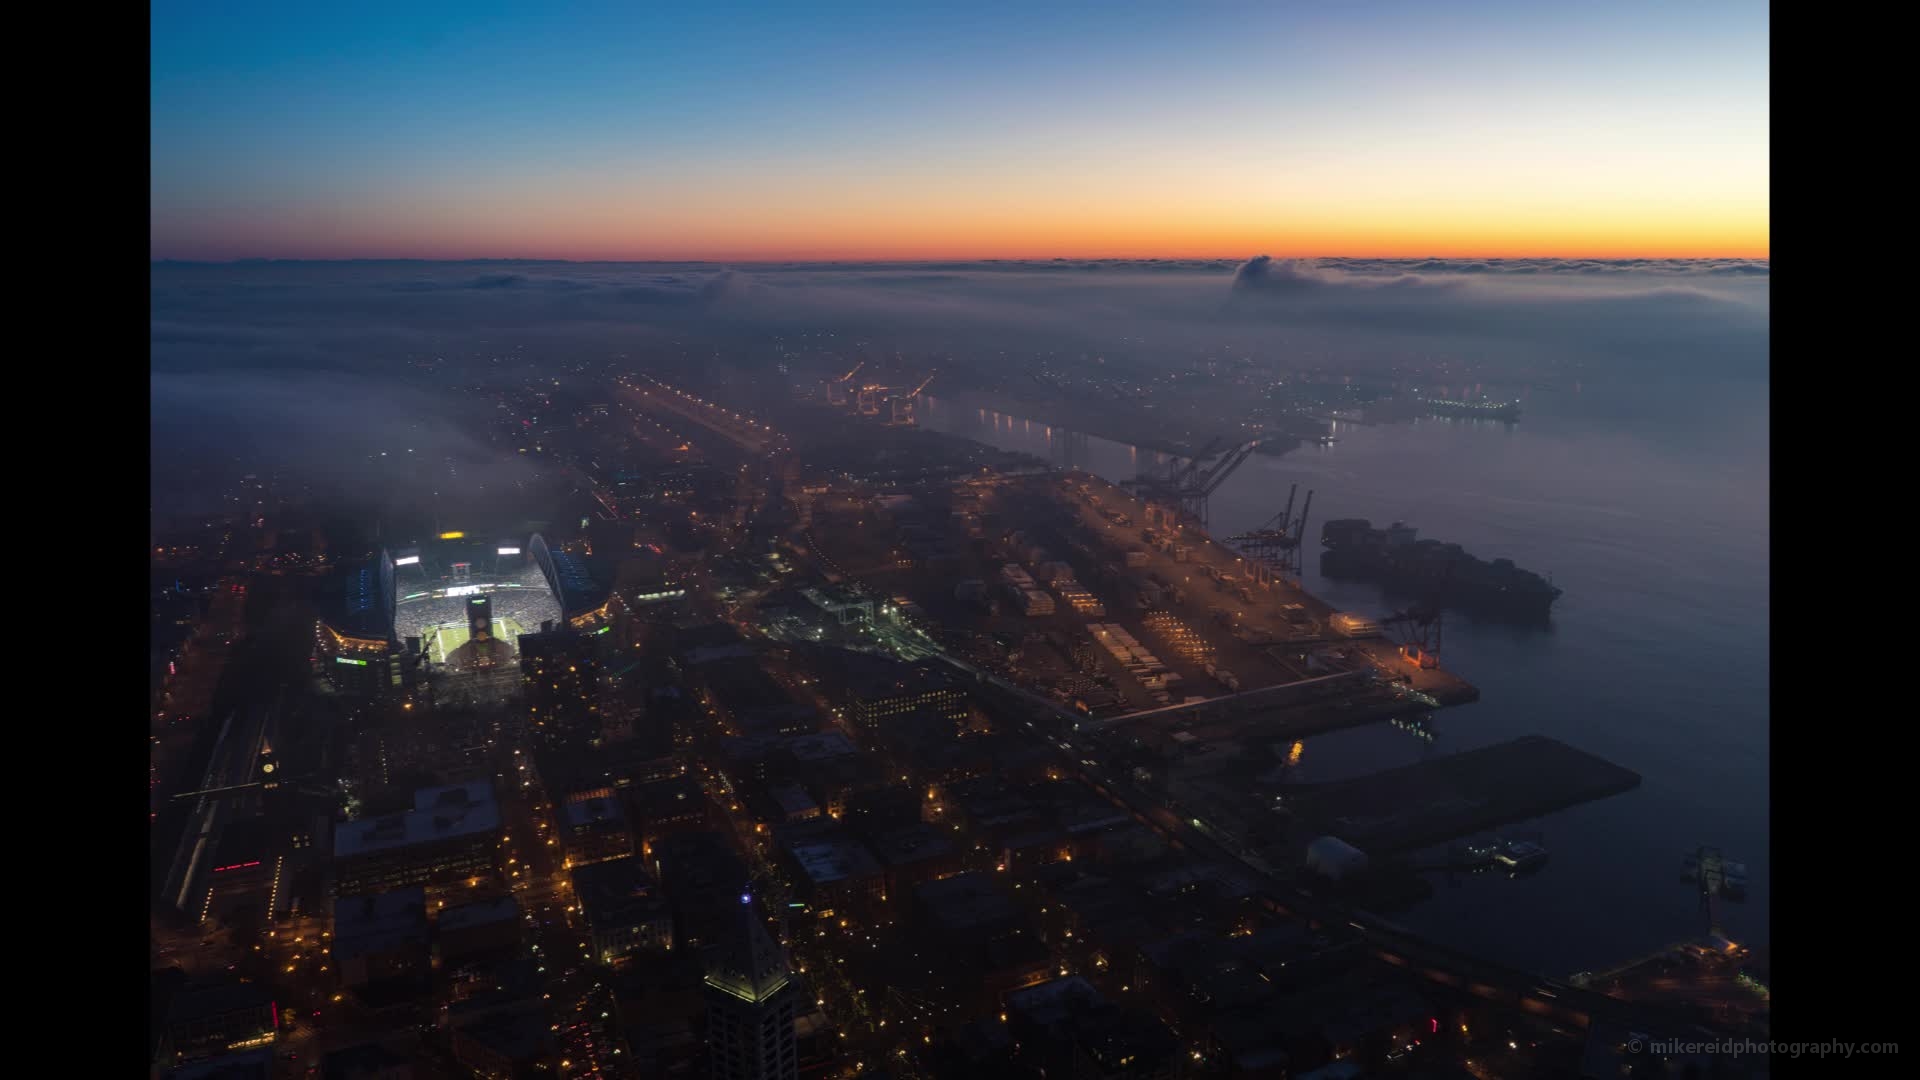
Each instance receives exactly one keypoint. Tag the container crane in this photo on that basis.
(1717, 880)
(1276, 542)
(1417, 632)
(1182, 472)
(904, 409)
(836, 388)
(1194, 495)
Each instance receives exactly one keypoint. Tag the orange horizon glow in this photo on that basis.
(1089, 240)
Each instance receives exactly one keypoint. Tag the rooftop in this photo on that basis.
(594, 810)
(473, 791)
(216, 999)
(667, 798)
(479, 913)
(793, 799)
(358, 1061)
(909, 844)
(1055, 1000)
(376, 922)
(826, 744)
(617, 893)
(440, 814)
(829, 859)
(518, 1036)
(967, 902)
(746, 963)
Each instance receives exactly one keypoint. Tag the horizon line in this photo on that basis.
(822, 261)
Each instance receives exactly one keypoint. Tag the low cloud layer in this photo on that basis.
(1632, 317)
(1262, 275)
(334, 429)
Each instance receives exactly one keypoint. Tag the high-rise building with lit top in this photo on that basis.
(750, 1004)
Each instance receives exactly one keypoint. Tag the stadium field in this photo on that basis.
(443, 639)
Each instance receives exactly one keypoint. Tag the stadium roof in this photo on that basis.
(364, 606)
(575, 587)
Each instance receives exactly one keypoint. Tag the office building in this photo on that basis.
(482, 930)
(560, 675)
(381, 938)
(625, 912)
(219, 1017)
(451, 834)
(594, 827)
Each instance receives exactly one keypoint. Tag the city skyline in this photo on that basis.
(863, 133)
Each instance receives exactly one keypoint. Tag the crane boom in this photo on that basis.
(1286, 516)
(1227, 466)
(1183, 473)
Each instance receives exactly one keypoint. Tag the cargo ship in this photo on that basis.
(1476, 410)
(1442, 574)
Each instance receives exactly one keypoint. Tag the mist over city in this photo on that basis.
(855, 542)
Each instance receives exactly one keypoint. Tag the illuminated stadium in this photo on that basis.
(466, 603)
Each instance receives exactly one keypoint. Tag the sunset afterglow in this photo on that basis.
(1006, 131)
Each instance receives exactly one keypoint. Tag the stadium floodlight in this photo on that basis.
(408, 561)
(508, 551)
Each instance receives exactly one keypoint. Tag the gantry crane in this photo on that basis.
(1717, 880)
(1276, 543)
(1183, 491)
(1179, 472)
(836, 388)
(1201, 486)
(905, 409)
(1417, 632)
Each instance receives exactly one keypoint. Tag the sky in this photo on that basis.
(833, 131)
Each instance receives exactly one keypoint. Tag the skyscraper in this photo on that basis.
(750, 1004)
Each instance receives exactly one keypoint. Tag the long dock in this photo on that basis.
(1435, 801)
